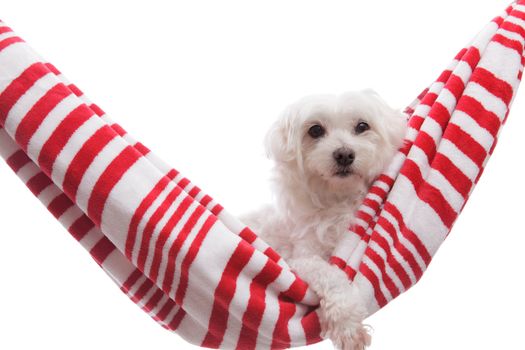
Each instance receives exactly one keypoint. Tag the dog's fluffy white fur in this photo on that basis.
(327, 150)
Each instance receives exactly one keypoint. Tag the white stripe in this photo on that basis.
(459, 159)
(72, 147)
(169, 243)
(158, 228)
(419, 216)
(7, 35)
(502, 61)
(49, 194)
(14, 60)
(453, 197)
(466, 123)
(50, 123)
(433, 129)
(404, 241)
(7, 146)
(26, 102)
(377, 272)
(510, 35)
(489, 101)
(447, 99)
(27, 172)
(91, 238)
(463, 71)
(389, 271)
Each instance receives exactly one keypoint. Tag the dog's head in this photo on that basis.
(336, 142)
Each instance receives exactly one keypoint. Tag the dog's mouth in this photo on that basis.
(343, 172)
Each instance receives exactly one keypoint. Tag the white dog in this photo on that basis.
(327, 151)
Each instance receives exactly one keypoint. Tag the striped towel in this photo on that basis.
(193, 267)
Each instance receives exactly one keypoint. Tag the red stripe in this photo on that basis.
(194, 191)
(511, 27)
(217, 209)
(109, 178)
(460, 54)
(165, 233)
(372, 204)
(144, 288)
(453, 174)
(141, 148)
(61, 135)
(251, 320)
(248, 235)
(83, 159)
(9, 41)
(36, 115)
(224, 293)
(131, 280)
(386, 179)
(38, 183)
(98, 111)
(163, 313)
(52, 68)
(17, 160)
(272, 254)
(509, 43)
(102, 249)
(153, 301)
(81, 227)
(408, 234)
(152, 223)
(311, 326)
(205, 200)
(486, 119)
(350, 272)
(183, 182)
(19, 87)
(372, 278)
(75, 90)
(472, 57)
(287, 307)
(427, 144)
(516, 13)
(176, 320)
(59, 205)
(456, 86)
(378, 191)
(493, 84)
(381, 265)
(141, 210)
(190, 257)
(429, 194)
(407, 255)
(440, 114)
(5, 29)
(176, 247)
(466, 144)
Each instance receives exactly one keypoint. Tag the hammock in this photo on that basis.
(193, 267)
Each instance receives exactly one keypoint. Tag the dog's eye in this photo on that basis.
(361, 127)
(316, 131)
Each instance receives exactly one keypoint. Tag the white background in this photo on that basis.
(199, 83)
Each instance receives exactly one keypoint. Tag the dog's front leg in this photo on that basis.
(341, 311)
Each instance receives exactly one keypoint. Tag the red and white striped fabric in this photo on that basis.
(197, 270)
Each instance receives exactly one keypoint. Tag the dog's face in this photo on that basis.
(337, 142)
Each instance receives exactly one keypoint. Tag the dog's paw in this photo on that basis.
(341, 319)
(349, 336)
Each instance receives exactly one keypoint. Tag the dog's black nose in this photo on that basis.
(344, 156)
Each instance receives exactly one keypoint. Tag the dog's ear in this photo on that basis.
(396, 121)
(280, 139)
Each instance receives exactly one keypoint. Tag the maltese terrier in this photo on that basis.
(327, 151)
